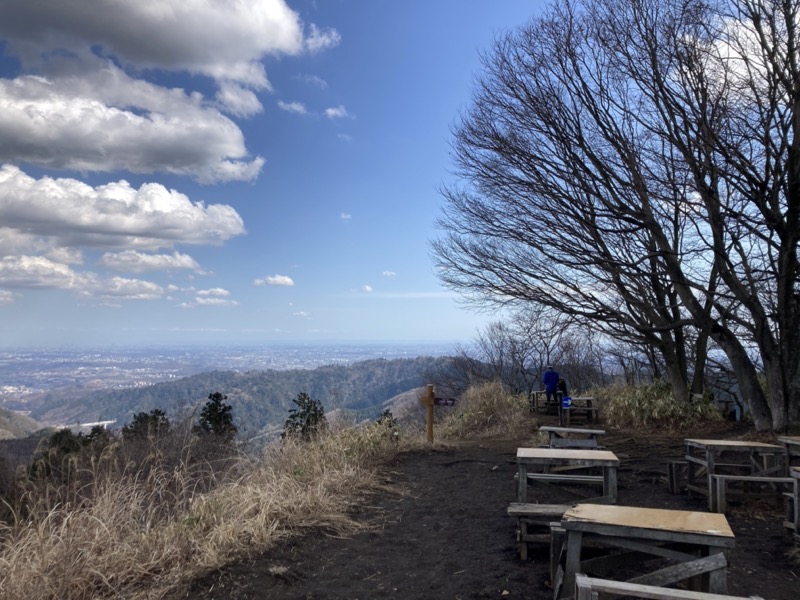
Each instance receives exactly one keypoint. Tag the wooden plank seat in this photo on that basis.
(721, 486)
(533, 522)
(593, 588)
(567, 437)
(566, 478)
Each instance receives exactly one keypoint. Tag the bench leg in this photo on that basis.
(719, 502)
(523, 535)
(675, 477)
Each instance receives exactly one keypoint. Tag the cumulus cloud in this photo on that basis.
(301, 314)
(224, 40)
(367, 289)
(132, 261)
(389, 274)
(128, 289)
(293, 107)
(345, 216)
(238, 100)
(213, 297)
(338, 112)
(284, 280)
(112, 215)
(214, 292)
(40, 272)
(85, 105)
(105, 121)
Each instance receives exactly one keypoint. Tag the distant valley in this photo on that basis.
(68, 388)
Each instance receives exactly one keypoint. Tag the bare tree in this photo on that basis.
(635, 164)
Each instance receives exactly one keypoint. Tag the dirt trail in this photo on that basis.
(445, 534)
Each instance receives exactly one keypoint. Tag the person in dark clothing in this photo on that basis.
(562, 387)
(550, 383)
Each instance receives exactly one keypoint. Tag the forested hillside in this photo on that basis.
(259, 398)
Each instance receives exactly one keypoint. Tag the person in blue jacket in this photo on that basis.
(550, 383)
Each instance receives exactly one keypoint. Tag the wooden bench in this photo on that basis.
(590, 588)
(563, 437)
(538, 517)
(719, 503)
(792, 499)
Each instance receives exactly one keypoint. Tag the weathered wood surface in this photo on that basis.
(648, 531)
(588, 588)
(548, 458)
(661, 520)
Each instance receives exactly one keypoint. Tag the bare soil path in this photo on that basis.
(446, 534)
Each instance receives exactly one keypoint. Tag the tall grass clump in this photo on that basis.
(652, 406)
(486, 410)
(146, 528)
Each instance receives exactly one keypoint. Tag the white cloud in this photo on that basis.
(312, 80)
(367, 289)
(111, 215)
(132, 261)
(214, 292)
(237, 100)
(344, 137)
(206, 301)
(128, 289)
(224, 40)
(389, 274)
(105, 121)
(301, 314)
(293, 107)
(321, 39)
(345, 216)
(6, 297)
(338, 112)
(40, 272)
(284, 280)
(84, 104)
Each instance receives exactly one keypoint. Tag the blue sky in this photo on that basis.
(217, 172)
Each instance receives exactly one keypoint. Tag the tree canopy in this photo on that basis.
(634, 164)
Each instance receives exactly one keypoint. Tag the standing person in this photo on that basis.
(550, 383)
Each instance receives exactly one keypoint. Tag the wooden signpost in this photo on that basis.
(428, 400)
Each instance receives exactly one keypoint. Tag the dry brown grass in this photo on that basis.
(487, 410)
(147, 534)
(144, 524)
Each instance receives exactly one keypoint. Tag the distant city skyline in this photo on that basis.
(254, 172)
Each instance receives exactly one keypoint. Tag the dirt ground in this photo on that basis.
(445, 534)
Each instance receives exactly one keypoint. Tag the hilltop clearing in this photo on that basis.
(441, 531)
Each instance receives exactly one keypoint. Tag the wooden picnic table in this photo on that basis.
(793, 504)
(757, 462)
(791, 448)
(548, 461)
(580, 405)
(564, 437)
(694, 542)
